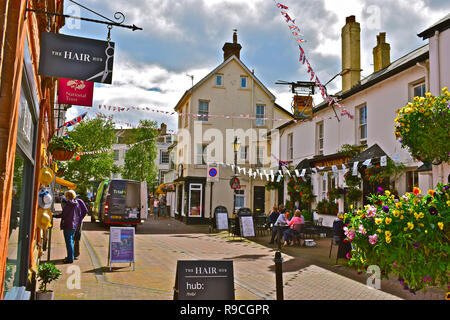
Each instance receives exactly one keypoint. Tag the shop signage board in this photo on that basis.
(75, 92)
(204, 280)
(247, 226)
(70, 57)
(121, 246)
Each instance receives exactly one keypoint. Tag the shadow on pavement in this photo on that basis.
(247, 257)
(102, 270)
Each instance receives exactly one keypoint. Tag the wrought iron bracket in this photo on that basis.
(119, 16)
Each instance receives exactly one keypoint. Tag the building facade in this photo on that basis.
(373, 102)
(229, 103)
(27, 122)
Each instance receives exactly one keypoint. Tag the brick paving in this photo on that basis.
(160, 243)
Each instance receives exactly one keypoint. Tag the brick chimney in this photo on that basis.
(230, 49)
(351, 54)
(163, 129)
(381, 53)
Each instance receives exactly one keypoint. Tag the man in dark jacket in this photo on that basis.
(77, 237)
(71, 218)
(272, 219)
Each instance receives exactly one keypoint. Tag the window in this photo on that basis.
(290, 146)
(201, 154)
(419, 90)
(412, 180)
(203, 110)
(243, 154)
(164, 157)
(161, 176)
(260, 115)
(219, 80)
(319, 138)
(239, 199)
(259, 156)
(362, 127)
(195, 200)
(243, 82)
(116, 155)
(169, 139)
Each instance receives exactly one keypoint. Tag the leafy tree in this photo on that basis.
(140, 158)
(93, 135)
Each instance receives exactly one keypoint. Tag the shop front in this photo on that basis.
(191, 194)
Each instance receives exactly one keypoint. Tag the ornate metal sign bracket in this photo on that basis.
(118, 16)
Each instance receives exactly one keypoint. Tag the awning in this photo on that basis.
(425, 167)
(65, 183)
(374, 152)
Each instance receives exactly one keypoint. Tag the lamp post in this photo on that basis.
(236, 147)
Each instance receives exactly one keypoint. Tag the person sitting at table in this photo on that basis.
(294, 224)
(281, 224)
(272, 219)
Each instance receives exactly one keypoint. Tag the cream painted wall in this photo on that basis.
(230, 100)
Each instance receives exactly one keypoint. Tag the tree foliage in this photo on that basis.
(92, 135)
(140, 158)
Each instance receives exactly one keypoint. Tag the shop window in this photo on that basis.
(239, 199)
(195, 200)
(412, 180)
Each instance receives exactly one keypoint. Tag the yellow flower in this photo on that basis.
(387, 192)
(398, 205)
(441, 225)
(401, 217)
(378, 221)
(410, 225)
(404, 229)
(388, 220)
(428, 94)
(421, 225)
(388, 240)
(396, 213)
(388, 234)
(448, 203)
(431, 192)
(379, 231)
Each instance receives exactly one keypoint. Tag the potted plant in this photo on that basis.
(61, 168)
(63, 148)
(47, 273)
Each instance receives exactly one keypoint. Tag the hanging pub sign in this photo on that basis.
(75, 92)
(303, 107)
(64, 56)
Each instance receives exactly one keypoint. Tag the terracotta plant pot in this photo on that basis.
(45, 295)
(62, 155)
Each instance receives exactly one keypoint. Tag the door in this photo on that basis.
(195, 200)
(259, 200)
(144, 201)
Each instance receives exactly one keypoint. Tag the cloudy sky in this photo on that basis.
(185, 37)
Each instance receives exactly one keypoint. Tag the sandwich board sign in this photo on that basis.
(222, 221)
(247, 226)
(121, 246)
(204, 280)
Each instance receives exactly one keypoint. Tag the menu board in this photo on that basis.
(204, 280)
(247, 226)
(121, 245)
(222, 221)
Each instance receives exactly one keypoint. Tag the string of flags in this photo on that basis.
(295, 30)
(196, 116)
(122, 147)
(131, 125)
(277, 175)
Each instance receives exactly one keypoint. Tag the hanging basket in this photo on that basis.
(62, 155)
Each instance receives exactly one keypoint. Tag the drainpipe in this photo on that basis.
(426, 72)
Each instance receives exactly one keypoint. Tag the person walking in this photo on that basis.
(71, 217)
(155, 208)
(272, 219)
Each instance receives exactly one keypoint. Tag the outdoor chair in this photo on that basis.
(298, 234)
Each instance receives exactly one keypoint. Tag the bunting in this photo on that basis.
(295, 30)
(72, 122)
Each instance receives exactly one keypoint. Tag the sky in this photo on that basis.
(185, 37)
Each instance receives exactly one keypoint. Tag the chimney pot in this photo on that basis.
(350, 19)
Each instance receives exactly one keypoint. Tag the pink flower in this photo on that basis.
(373, 239)
(371, 211)
(361, 229)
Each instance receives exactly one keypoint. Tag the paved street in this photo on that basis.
(160, 243)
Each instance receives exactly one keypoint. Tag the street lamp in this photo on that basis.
(236, 147)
